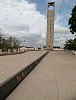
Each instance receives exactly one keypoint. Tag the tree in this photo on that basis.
(72, 21)
(12, 43)
(70, 44)
(16, 43)
(9, 43)
(1, 37)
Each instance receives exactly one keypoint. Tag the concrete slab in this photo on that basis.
(11, 64)
(53, 79)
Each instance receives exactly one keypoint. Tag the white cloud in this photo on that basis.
(59, 39)
(20, 18)
(61, 29)
(62, 33)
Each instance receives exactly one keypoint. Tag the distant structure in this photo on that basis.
(50, 25)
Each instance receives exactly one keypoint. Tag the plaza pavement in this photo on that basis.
(11, 64)
(54, 78)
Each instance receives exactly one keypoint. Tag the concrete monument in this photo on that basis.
(50, 25)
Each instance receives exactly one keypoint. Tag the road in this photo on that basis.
(11, 64)
(54, 78)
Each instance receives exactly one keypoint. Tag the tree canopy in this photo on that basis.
(9, 43)
(72, 21)
(70, 44)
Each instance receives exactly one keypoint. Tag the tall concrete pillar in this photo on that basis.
(50, 26)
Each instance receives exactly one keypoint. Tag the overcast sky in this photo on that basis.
(26, 20)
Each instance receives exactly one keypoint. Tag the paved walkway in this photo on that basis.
(11, 64)
(53, 79)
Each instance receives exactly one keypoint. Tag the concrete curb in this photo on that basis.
(12, 53)
(10, 84)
